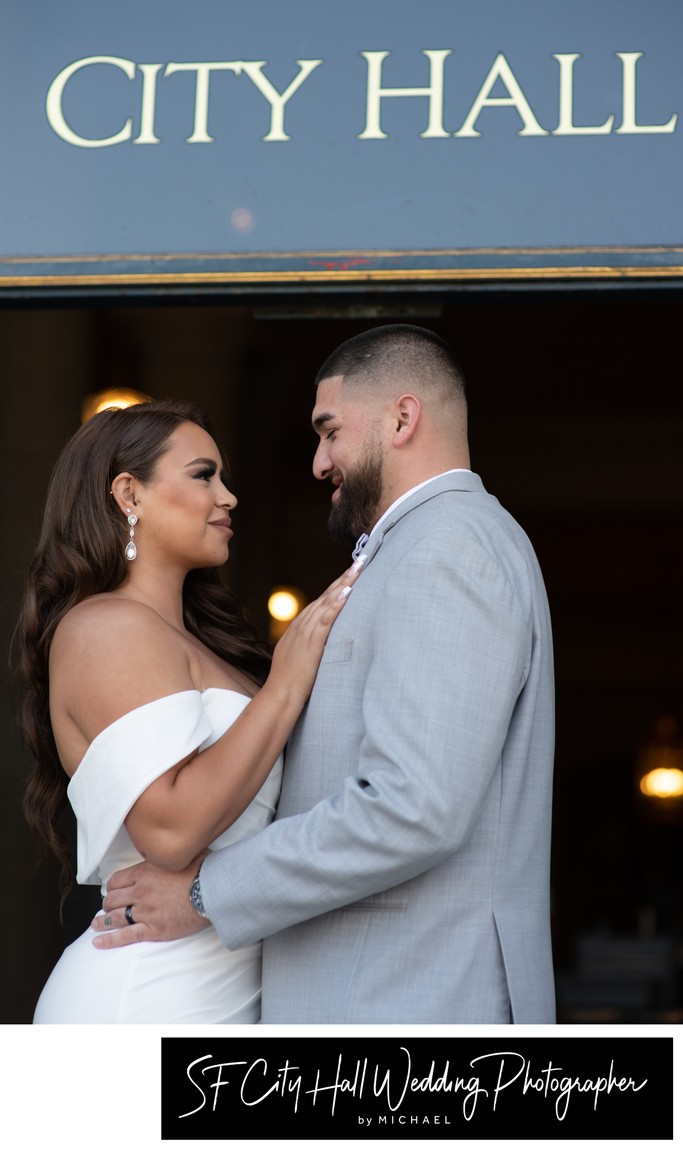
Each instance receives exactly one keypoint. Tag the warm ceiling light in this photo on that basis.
(284, 604)
(660, 764)
(663, 783)
(112, 397)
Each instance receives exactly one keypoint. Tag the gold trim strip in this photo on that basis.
(355, 254)
(351, 276)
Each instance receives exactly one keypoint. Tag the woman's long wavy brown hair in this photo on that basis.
(81, 553)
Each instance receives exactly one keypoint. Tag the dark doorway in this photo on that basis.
(576, 425)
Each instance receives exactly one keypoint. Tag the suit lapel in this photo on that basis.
(456, 481)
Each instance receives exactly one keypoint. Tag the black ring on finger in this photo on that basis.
(129, 916)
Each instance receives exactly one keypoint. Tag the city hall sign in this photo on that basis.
(206, 87)
(230, 147)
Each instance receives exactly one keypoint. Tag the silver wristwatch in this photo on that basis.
(196, 897)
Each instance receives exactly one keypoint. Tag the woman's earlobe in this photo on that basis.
(123, 491)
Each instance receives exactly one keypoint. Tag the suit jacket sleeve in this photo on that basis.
(450, 653)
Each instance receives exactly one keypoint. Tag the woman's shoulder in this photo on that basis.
(101, 615)
(109, 633)
(110, 655)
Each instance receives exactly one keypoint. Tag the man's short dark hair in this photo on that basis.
(398, 352)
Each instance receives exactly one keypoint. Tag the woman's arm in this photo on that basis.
(119, 655)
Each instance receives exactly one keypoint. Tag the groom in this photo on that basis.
(406, 877)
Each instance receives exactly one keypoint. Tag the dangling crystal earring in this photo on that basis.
(131, 549)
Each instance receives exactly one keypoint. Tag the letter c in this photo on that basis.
(54, 103)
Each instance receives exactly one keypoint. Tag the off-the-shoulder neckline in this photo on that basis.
(152, 703)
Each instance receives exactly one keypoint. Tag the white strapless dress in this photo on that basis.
(194, 980)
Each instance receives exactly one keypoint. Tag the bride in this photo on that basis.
(149, 702)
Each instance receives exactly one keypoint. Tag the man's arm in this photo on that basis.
(450, 652)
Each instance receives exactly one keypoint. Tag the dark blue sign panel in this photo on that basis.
(245, 143)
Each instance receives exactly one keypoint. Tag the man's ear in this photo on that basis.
(125, 491)
(408, 410)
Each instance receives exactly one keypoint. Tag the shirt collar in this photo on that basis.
(407, 494)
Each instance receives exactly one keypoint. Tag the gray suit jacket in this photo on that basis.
(406, 877)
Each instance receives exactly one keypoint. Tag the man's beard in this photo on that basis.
(359, 498)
